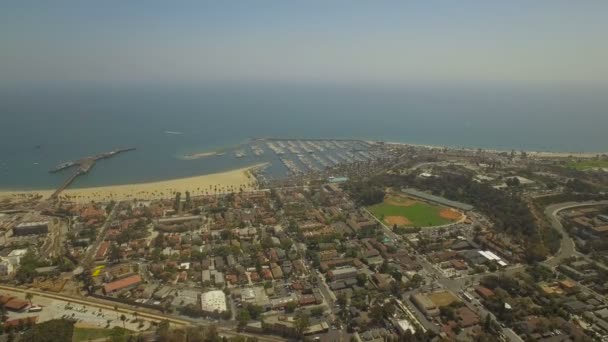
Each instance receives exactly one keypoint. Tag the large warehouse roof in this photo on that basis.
(437, 199)
(213, 301)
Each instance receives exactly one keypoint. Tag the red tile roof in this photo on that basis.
(103, 249)
(15, 322)
(122, 283)
(16, 304)
(484, 292)
(5, 298)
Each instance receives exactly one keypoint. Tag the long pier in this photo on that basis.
(84, 166)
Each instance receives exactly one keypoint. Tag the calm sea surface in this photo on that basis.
(73, 122)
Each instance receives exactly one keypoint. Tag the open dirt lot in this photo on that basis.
(450, 214)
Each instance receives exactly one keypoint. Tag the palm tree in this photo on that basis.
(123, 318)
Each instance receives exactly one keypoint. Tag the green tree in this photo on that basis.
(50, 331)
(243, 317)
(114, 254)
(176, 203)
(3, 312)
(361, 279)
(162, 331)
(291, 307)
(27, 269)
(110, 206)
(188, 203)
(376, 314)
(317, 311)
(254, 310)
(342, 299)
(301, 323)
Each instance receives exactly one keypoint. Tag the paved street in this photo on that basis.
(567, 248)
(88, 258)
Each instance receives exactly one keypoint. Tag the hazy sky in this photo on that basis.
(555, 41)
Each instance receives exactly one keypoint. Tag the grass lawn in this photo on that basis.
(418, 214)
(588, 164)
(85, 334)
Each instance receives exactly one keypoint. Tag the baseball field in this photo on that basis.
(407, 212)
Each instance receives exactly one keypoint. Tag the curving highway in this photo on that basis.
(567, 247)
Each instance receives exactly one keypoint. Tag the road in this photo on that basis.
(453, 285)
(387, 231)
(567, 247)
(88, 258)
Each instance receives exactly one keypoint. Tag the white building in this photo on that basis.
(213, 301)
(15, 256)
(6, 267)
(404, 325)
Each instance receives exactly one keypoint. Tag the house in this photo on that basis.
(307, 300)
(571, 272)
(576, 307)
(277, 273)
(382, 280)
(458, 265)
(232, 278)
(102, 251)
(343, 273)
(266, 274)
(15, 304)
(467, 317)
(484, 292)
(25, 321)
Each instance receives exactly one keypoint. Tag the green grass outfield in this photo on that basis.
(588, 164)
(419, 214)
(86, 334)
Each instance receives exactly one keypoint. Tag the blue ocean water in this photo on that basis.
(70, 122)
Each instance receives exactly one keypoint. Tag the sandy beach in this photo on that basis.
(222, 182)
(200, 155)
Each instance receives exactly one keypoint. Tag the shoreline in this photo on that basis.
(531, 153)
(214, 183)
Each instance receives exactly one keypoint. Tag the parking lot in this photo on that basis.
(89, 315)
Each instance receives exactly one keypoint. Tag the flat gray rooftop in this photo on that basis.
(437, 199)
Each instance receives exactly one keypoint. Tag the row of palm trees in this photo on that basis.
(214, 189)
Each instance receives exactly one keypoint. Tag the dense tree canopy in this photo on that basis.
(50, 331)
(506, 209)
